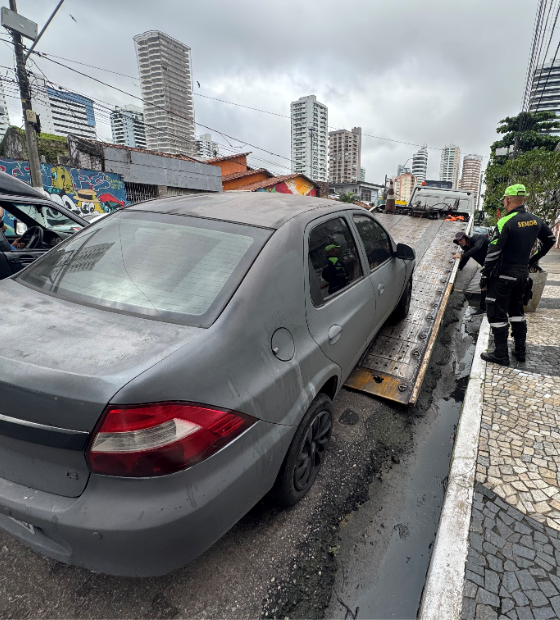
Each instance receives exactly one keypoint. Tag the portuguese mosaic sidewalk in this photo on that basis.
(513, 563)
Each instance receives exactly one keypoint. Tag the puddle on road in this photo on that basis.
(399, 576)
(407, 558)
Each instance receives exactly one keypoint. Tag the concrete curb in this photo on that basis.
(443, 592)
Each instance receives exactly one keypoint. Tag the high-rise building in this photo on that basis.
(470, 175)
(545, 92)
(206, 148)
(165, 69)
(449, 166)
(404, 184)
(127, 126)
(420, 164)
(4, 116)
(309, 137)
(62, 112)
(362, 174)
(345, 155)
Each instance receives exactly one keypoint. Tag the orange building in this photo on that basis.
(237, 175)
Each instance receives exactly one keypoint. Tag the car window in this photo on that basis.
(376, 241)
(43, 215)
(333, 259)
(176, 268)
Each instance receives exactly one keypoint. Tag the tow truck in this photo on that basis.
(394, 365)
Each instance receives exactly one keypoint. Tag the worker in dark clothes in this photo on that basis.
(335, 272)
(473, 247)
(506, 273)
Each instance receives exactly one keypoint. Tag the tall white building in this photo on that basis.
(62, 112)
(127, 126)
(420, 165)
(449, 166)
(470, 175)
(362, 174)
(165, 69)
(345, 155)
(206, 148)
(4, 116)
(310, 137)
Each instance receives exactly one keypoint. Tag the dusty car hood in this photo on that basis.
(61, 362)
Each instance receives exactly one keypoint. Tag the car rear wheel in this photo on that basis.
(403, 307)
(306, 453)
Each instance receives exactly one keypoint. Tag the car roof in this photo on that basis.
(263, 209)
(11, 185)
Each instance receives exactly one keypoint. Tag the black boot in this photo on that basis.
(519, 333)
(500, 354)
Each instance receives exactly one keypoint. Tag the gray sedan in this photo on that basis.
(164, 369)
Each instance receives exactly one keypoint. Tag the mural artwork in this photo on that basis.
(81, 191)
(293, 186)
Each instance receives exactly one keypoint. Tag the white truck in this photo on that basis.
(437, 203)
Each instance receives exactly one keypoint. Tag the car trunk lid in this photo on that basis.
(60, 365)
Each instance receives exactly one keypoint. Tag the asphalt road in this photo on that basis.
(273, 563)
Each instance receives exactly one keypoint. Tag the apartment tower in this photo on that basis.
(165, 69)
(127, 126)
(309, 137)
(449, 166)
(470, 175)
(545, 92)
(62, 112)
(420, 164)
(206, 148)
(345, 155)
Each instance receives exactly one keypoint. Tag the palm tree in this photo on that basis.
(348, 197)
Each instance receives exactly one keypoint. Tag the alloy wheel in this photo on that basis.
(312, 451)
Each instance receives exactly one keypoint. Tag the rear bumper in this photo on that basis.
(149, 526)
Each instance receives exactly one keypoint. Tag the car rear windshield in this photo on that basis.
(168, 267)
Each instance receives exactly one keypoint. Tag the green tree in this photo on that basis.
(538, 170)
(348, 197)
(528, 131)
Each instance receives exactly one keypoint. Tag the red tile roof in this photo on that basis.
(269, 182)
(245, 173)
(215, 160)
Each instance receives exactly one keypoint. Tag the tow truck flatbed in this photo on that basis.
(394, 365)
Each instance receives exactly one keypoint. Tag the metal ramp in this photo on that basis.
(394, 365)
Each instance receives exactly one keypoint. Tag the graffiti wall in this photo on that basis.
(299, 185)
(81, 191)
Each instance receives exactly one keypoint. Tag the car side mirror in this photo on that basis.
(405, 252)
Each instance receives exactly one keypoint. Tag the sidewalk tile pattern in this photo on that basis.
(513, 563)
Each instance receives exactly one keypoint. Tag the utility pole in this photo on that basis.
(29, 117)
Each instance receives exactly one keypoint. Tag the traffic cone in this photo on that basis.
(390, 206)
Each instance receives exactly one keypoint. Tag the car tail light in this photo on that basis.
(160, 438)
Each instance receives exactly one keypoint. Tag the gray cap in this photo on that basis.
(459, 236)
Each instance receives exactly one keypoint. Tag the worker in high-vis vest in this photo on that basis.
(505, 273)
(335, 272)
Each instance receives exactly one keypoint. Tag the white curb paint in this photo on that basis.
(443, 592)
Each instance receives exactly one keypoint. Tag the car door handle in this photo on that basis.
(381, 289)
(334, 333)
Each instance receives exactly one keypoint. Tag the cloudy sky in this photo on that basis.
(434, 72)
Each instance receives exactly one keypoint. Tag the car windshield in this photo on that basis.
(174, 268)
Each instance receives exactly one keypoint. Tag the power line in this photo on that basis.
(239, 105)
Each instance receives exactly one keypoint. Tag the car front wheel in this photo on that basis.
(306, 453)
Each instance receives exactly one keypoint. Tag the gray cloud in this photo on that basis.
(435, 73)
